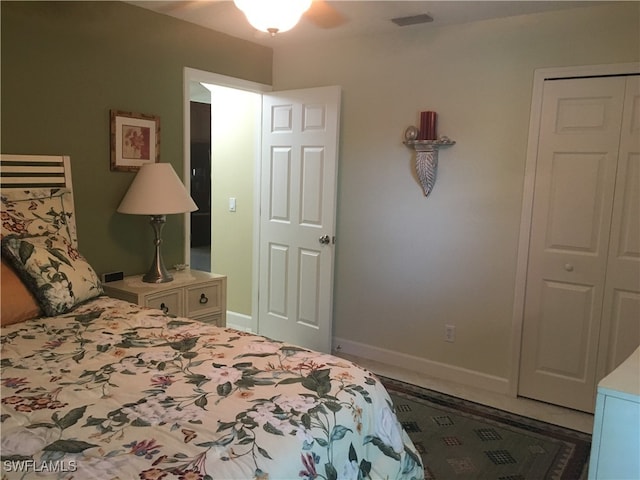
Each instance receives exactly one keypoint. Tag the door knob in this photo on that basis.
(325, 240)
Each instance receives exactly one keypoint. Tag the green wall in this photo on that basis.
(66, 64)
(236, 124)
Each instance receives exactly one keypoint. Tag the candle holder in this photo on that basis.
(427, 159)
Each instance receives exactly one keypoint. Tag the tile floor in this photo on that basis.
(564, 417)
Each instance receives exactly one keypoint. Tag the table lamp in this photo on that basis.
(157, 191)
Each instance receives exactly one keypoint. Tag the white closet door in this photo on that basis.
(574, 190)
(620, 333)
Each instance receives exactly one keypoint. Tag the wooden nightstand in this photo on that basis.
(194, 294)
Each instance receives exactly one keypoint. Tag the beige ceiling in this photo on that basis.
(363, 16)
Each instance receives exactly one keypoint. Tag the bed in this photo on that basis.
(94, 387)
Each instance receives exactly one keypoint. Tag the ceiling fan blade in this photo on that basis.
(324, 15)
(182, 5)
(172, 7)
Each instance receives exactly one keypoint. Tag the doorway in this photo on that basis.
(274, 159)
(224, 116)
(200, 190)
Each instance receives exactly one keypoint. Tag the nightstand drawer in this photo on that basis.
(169, 302)
(192, 293)
(213, 319)
(203, 299)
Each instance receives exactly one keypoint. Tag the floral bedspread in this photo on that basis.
(117, 391)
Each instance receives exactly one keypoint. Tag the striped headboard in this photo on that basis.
(31, 171)
(23, 176)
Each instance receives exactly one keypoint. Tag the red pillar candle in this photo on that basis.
(428, 130)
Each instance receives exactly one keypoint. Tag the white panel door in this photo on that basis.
(297, 217)
(620, 333)
(572, 209)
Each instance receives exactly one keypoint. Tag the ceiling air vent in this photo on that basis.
(412, 20)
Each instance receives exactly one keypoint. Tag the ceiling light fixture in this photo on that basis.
(273, 16)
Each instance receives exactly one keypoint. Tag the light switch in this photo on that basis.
(232, 204)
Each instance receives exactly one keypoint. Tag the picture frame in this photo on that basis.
(135, 140)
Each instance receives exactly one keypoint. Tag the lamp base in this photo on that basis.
(157, 276)
(157, 273)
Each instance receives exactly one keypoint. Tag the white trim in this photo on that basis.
(240, 321)
(195, 75)
(443, 371)
(540, 75)
(186, 155)
(257, 195)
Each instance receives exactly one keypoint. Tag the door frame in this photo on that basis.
(540, 75)
(195, 75)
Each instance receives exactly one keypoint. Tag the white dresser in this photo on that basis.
(615, 447)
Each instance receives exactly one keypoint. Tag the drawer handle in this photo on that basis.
(164, 308)
(203, 299)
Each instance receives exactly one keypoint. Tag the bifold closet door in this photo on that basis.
(572, 211)
(620, 330)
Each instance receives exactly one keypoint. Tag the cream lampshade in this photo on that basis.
(157, 191)
(273, 16)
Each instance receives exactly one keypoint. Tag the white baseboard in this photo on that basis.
(423, 366)
(240, 321)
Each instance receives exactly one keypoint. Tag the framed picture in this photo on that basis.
(135, 140)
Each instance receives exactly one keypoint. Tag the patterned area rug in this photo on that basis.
(458, 439)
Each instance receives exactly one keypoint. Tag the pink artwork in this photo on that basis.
(135, 140)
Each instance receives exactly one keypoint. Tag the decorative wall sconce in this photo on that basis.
(426, 145)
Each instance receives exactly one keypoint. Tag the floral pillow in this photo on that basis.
(39, 211)
(53, 269)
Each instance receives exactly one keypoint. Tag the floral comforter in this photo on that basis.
(117, 391)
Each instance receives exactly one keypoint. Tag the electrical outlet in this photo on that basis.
(449, 333)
